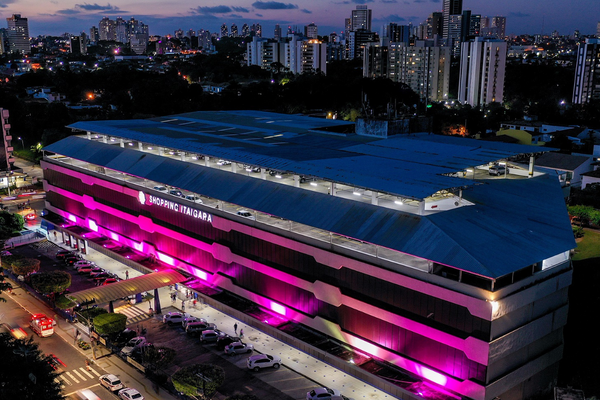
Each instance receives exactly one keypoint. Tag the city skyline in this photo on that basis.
(58, 17)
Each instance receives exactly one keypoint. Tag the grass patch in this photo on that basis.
(589, 246)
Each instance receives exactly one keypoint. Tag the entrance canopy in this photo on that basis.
(128, 287)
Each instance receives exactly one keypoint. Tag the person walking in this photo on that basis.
(87, 364)
(126, 274)
(182, 305)
(241, 333)
(235, 328)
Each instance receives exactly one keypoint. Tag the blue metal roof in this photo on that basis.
(513, 224)
(408, 166)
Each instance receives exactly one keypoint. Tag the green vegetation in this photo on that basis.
(159, 358)
(4, 286)
(198, 379)
(110, 323)
(63, 302)
(585, 214)
(25, 372)
(25, 266)
(10, 224)
(51, 282)
(90, 314)
(589, 246)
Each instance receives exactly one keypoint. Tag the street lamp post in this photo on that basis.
(22, 143)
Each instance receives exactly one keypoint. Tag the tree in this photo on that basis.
(4, 286)
(25, 266)
(10, 224)
(51, 282)
(159, 357)
(203, 379)
(25, 373)
(110, 323)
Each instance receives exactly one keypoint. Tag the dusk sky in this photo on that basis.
(55, 17)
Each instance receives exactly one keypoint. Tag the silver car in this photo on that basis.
(238, 348)
(259, 361)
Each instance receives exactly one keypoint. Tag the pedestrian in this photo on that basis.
(126, 274)
(194, 303)
(241, 333)
(235, 328)
(182, 305)
(87, 364)
(54, 235)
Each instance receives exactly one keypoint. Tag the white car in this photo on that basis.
(130, 394)
(223, 162)
(323, 393)
(132, 344)
(174, 317)
(195, 199)
(111, 382)
(82, 263)
(259, 361)
(238, 348)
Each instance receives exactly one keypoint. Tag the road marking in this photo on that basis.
(66, 380)
(87, 373)
(89, 387)
(72, 377)
(79, 375)
(94, 371)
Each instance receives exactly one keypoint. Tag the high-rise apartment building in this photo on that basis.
(224, 31)
(121, 31)
(94, 35)
(245, 30)
(435, 25)
(234, 30)
(107, 29)
(18, 34)
(357, 40)
(451, 7)
(311, 31)
(587, 72)
(493, 27)
(361, 18)
(482, 70)
(277, 33)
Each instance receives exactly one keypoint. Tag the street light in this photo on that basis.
(22, 144)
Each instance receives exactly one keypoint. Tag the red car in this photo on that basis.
(109, 280)
(30, 217)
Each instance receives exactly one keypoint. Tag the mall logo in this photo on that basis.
(147, 199)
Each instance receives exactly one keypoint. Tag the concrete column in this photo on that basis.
(182, 154)
(234, 167)
(374, 199)
(296, 180)
(140, 146)
(161, 151)
(332, 189)
(121, 143)
(89, 135)
(104, 139)
(263, 175)
(531, 165)
(206, 158)
(421, 207)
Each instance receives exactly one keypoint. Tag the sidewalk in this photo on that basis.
(292, 358)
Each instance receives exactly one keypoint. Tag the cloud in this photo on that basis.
(273, 5)
(259, 15)
(305, 11)
(389, 1)
(518, 14)
(213, 10)
(390, 18)
(68, 11)
(240, 9)
(5, 3)
(96, 7)
(362, 1)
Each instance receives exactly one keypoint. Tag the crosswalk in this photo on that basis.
(76, 376)
(134, 314)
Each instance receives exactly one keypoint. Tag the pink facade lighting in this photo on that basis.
(114, 236)
(92, 224)
(72, 218)
(165, 258)
(278, 308)
(432, 376)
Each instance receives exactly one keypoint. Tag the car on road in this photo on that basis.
(132, 344)
(323, 393)
(260, 361)
(160, 188)
(130, 394)
(30, 217)
(174, 317)
(238, 348)
(195, 199)
(497, 170)
(111, 382)
(55, 362)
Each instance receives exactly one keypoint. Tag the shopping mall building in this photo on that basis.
(402, 246)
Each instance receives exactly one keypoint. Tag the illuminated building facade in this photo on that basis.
(402, 247)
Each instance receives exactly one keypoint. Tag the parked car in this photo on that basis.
(497, 170)
(62, 254)
(137, 352)
(223, 162)
(174, 317)
(160, 188)
(102, 276)
(125, 336)
(111, 382)
(259, 361)
(132, 344)
(195, 199)
(130, 394)
(81, 263)
(71, 260)
(176, 192)
(108, 281)
(196, 328)
(323, 394)
(85, 269)
(246, 214)
(238, 348)
(190, 319)
(96, 271)
(224, 340)
(209, 336)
